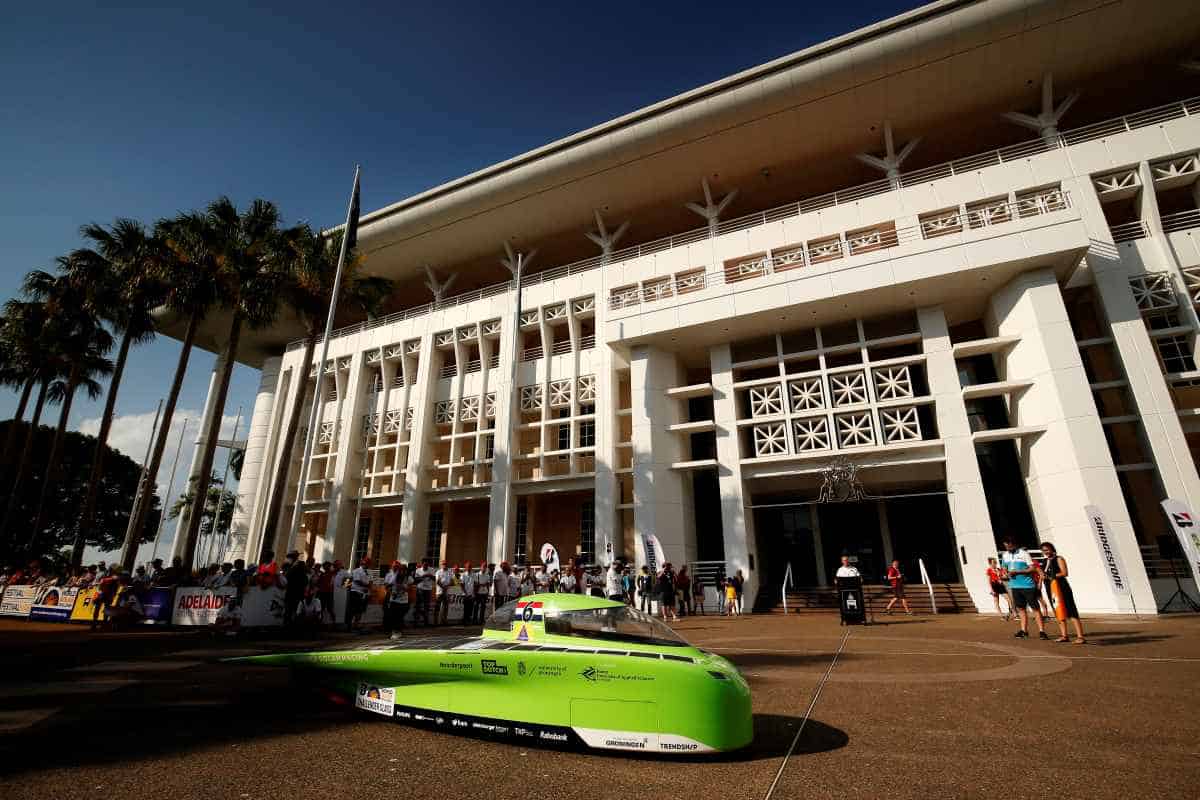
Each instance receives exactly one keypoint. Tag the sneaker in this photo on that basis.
(1044, 636)
(1021, 635)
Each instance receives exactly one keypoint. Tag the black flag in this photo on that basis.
(352, 219)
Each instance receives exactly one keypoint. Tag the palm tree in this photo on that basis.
(218, 508)
(186, 267)
(128, 290)
(246, 248)
(312, 261)
(79, 343)
(20, 337)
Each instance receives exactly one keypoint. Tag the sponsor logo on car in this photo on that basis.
(597, 675)
(554, 737)
(631, 744)
(379, 699)
(464, 666)
(488, 666)
(679, 746)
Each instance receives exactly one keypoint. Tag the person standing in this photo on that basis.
(1060, 590)
(1019, 567)
(468, 595)
(356, 597)
(612, 584)
(645, 588)
(566, 582)
(483, 587)
(102, 600)
(627, 585)
(683, 587)
(500, 584)
(697, 594)
(444, 579)
(666, 593)
(297, 581)
(397, 601)
(895, 579)
(425, 583)
(739, 587)
(996, 586)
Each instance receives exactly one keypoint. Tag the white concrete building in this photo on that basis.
(954, 256)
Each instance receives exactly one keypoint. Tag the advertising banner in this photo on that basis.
(156, 603)
(550, 558)
(197, 606)
(84, 605)
(17, 601)
(1184, 525)
(262, 608)
(655, 557)
(54, 603)
(1114, 569)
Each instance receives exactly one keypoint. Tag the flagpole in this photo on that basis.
(318, 399)
(162, 517)
(132, 544)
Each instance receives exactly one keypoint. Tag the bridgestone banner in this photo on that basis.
(1109, 557)
(1184, 525)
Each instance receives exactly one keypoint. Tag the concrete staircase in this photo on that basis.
(952, 598)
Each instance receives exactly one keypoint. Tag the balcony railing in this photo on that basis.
(1128, 231)
(561, 347)
(474, 365)
(449, 370)
(494, 361)
(966, 165)
(531, 353)
(1181, 220)
(587, 342)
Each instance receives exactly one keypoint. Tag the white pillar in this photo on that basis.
(1068, 466)
(255, 480)
(210, 410)
(968, 503)
(415, 515)
(737, 522)
(503, 503)
(341, 524)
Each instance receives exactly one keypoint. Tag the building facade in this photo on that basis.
(923, 309)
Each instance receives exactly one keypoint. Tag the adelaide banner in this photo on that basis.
(196, 606)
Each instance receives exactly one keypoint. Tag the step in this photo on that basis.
(950, 598)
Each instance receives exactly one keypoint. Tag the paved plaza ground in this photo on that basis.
(931, 707)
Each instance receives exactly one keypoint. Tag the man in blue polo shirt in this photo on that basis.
(1018, 565)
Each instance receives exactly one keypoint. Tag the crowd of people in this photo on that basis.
(1017, 577)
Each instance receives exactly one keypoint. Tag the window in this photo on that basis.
(616, 623)
(587, 532)
(587, 433)
(433, 545)
(521, 544)
(489, 447)
(564, 437)
(1176, 354)
(360, 542)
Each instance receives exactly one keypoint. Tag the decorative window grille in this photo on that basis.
(489, 405)
(806, 395)
(1176, 167)
(746, 268)
(1116, 182)
(900, 425)
(491, 327)
(865, 240)
(624, 296)
(531, 398)
(413, 347)
(529, 317)
(556, 311)
(855, 429)
(766, 400)
(587, 532)
(587, 388)
(656, 289)
(988, 212)
(940, 223)
(443, 413)
(343, 364)
(826, 249)
(893, 383)
(690, 281)
(408, 419)
(770, 439)
(370, 425)
(391, 421)
(1191, 279)
(811, 434)
(788, 258)
(560, 394)
(374, 356)
(583, 305)
(1040, 201)
(470, 409)
(433, 539)
(444, 339)
(395, 351)
(325, 433)
(467, 333)
(848, 388)
(1153, 291)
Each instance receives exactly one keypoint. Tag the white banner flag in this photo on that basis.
(1184, 525)
(550, 558)
(1113, 567)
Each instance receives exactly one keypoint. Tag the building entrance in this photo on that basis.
(852, 529)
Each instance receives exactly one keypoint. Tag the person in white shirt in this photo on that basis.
(445, 579)
(514, 586)
(309, 613)
(425, 583)
(483, 587)
(356, 598)
(846, 570)
(468, 594)
(396, 608)
(566, 582)
(500, 583)
(613, 586)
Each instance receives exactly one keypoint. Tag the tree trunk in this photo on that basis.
(51, 479)
(87, 519)
(23, 463)
(204, 472)
(141, 505)
(10, 441)
(284, 466)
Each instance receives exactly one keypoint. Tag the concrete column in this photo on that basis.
(341, 524)
(818, 546)
(500, 537)
(1160, 421)
(608, 525)
(1068, 466)
(968, 503)
(414, 519)
(256, 475)
(737, 524)
(885, 532)
(210, 410)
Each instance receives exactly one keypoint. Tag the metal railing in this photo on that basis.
(968, 164)
(531, 353)
(787, 582)
(1128, 231)
(449, 370)
(587, 342)
(1181, 220)
(560, 347)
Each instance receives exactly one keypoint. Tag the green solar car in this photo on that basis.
(559, 669)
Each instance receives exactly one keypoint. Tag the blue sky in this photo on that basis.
(145, 111)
